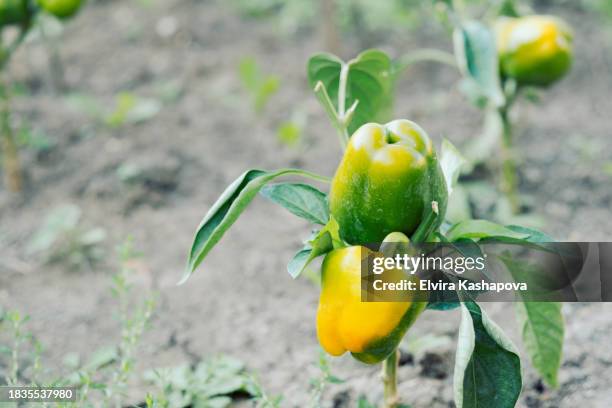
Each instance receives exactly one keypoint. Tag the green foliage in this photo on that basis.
(319, 384)
(476, 53)
(105, 373)
(210, 383)
(487, 365)
(131, 109)
(368, 84)
(63, 238)
(542, 330)
(324, 241)
(478, 229)
(451, 162)
(601, 7)
(261, 87)
(355, 17)
(23, 347)
(34, 139)
(226, 210)
(128, 108)
(300, 199)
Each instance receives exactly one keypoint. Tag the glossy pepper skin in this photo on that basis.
(61, 8)
(371, 331)
(13, 11)
(534, 50)
(387, 179)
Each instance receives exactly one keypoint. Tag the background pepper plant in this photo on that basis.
(17, 19)
(389, 187)
(503, 56)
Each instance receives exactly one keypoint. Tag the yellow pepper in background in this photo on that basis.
(61, 8)
(534, 50)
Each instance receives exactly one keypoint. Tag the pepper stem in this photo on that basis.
(509, 182)
(389, 377)
(10, 152)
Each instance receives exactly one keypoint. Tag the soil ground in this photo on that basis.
(241, 302)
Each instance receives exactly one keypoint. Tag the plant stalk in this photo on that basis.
(56, 67)
(343, 81)
(425, 55)
(389, 377)
(330, 34)
(509, 182)
(13, 178)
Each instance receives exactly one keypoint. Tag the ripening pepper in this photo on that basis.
(371, 331)
(534, 50)
(387, 179)
(61, 8)
(13, 11)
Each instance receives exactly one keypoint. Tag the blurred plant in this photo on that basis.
(261, 87)
(30, 138)
(289, 133)
(357, 17)
(21, 15)
(129, 108)
(320, 383)
(62, 238)
(210, 383)
(133, 321)
(602, 7)
(24, 351)
(108, 368)
(49, 33)
(261, 398)
(499, 63)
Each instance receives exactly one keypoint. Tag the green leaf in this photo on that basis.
(326, 240)
(458, 208)
(478, 229)
(534, 239)
(542, 329)
(226, 210)
(369, 81)
(299, 262)
(300, 199)
(487, 365)
(451, 162)
(535, 236)
(476, 53)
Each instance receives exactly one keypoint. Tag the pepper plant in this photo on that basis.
(502, 57)
(391, 186)
(17, 18)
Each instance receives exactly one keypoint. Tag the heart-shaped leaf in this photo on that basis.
(369, 81)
